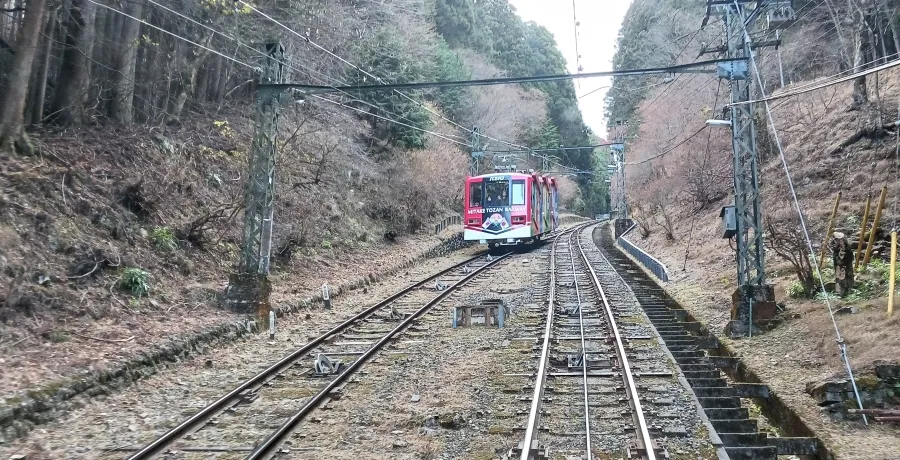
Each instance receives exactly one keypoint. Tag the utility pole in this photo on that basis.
(248, 289)
(477, 153)
(617, 153)
(753, 301)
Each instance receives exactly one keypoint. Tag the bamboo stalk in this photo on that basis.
(875, 226)
(834, 210)
(862, 232)
(893, 274)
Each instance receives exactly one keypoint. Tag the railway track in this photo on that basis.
(266, 409)
(313, 374)
(601, 383)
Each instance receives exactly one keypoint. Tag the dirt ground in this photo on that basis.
(151, 406)
(87, 344)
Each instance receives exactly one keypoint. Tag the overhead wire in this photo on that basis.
(348, 63)
(257, 69)
(825, 84)
(841, 344)
(308, 40)
(311, 71)
(433, 133)
(667, 150)
(354, 66)
(307, 70)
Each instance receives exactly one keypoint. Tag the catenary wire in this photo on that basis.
(433, 133)
(176, 36)
(307, 70)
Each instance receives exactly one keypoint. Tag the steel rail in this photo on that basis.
(534, 413)
(644, 442)
(285, 363)
(268, 448)
(584, 361)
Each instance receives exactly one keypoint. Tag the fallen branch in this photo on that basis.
(103, 340)
(96, 266)
(872, 133)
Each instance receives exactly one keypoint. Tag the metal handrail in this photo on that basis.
(656, 267)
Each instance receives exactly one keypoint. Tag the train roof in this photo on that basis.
(511, 174)
(549, 180)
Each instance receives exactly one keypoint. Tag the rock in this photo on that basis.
(415, 398)
(400, 444)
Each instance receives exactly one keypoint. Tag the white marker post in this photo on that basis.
(271, 325)
(326, 296)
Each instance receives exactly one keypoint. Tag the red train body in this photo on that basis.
(510, 208)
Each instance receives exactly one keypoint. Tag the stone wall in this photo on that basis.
(878, 389)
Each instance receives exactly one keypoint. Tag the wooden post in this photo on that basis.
(843, 264)
(892, 283)
(862, 230)
(834, 210)
(875, 226)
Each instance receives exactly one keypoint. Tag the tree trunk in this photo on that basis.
(12, 116)
(122, 107)
(39, 84)
(861, 45)
(216, 83)
(68, 103)
(185, 81)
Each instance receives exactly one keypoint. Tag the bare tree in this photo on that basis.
(785, 236)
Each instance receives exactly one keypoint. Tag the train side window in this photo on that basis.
(475, 195)
(518, 192)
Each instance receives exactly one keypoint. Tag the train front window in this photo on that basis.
(497, 193)
(518, 192)
(475, 195)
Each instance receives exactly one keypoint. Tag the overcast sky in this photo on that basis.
(599, 23)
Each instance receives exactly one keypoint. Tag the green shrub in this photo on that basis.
(164, 239)
(796, 290)
(882, 271)
(134, 280)
(865, 290)
(326, 244)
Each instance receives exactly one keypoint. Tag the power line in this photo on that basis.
(433, 133)
(668, 150)
(286, 64)
(346, 62)
(823, 85)
(256, 69)
(310, 89)
(311, 42)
